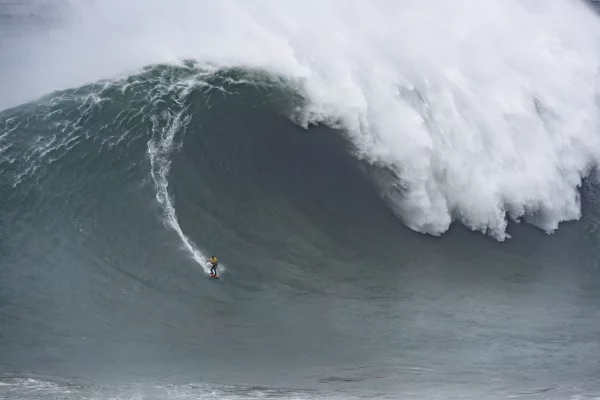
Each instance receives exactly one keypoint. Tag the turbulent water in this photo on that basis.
(402, 196)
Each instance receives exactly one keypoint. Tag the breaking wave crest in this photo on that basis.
(479, 112)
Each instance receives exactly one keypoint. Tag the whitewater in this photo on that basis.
(481, 111)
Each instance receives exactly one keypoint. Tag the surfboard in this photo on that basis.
(213, 276)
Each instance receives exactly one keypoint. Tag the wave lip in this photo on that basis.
(473, 126)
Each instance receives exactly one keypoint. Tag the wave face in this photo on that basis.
(303, 145)
(115, 192)
(482, 111)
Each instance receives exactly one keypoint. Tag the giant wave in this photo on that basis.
(297, 143)
(481, 111)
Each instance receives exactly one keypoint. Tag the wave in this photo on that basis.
(291, 158)
(473, 125)
(145, 115)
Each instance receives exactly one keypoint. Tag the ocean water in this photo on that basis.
(403, 197)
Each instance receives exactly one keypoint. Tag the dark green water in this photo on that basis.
(109, 191)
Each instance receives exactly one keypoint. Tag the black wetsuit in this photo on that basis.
(213, 268)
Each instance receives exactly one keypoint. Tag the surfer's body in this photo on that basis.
(214, 263)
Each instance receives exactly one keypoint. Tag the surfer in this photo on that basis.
(213, 265)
